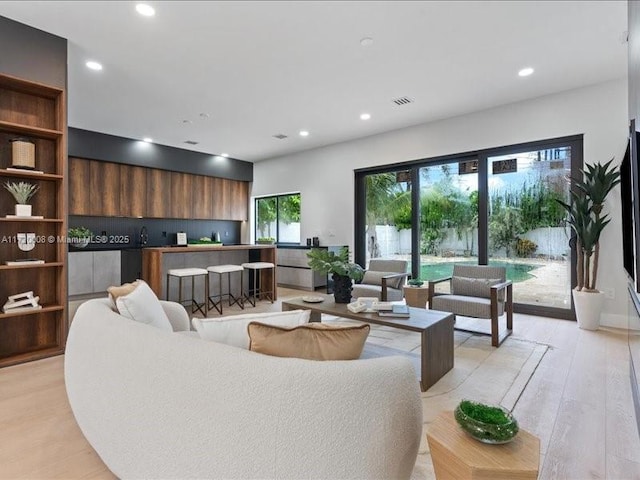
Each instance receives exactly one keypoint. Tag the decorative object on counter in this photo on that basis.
(265, 240)
(79, 237)
(415, 282)
(315, 241)
(203, 242)
(216, 237)
(21, 302)
(486, 423)
(585, 219)
(308, 242)
(343, 271)
(23, 153)
(181, 238)
(22, 193)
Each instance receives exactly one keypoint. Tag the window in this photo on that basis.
(278, 217)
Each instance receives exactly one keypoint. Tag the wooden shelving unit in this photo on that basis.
(36, 111)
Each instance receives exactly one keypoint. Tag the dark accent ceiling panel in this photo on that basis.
(110, 148)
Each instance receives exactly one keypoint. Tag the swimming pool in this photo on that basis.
(516, 272)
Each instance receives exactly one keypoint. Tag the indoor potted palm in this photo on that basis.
(22, 193)
(342, 270)
(584, 215)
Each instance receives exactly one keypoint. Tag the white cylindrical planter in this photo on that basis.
(23, 210)
(588, 307)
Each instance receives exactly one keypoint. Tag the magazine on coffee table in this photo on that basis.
(398, 311)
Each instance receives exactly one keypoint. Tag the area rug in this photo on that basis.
(481, 373)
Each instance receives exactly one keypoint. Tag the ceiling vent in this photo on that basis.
(191, 142)
(280, 136)
(402, 100)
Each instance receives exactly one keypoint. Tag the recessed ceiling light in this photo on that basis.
(366, 41)
(147, 140)
(525, 72)
(304, 133)
(93, 65)
(187, 122)
(204, 115)
(146, 10)
(365, 116)
(225, 155)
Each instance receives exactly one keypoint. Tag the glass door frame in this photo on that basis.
(575, 142)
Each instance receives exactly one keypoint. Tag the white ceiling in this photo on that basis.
(264, 68)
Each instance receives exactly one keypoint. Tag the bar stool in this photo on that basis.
(257, 289)
(220, 270)
(193, 273)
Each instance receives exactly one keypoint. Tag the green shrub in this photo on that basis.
(525, 247)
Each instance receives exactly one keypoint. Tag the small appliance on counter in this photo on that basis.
(181, 238)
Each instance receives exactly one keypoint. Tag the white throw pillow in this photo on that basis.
(232, 330)
(143, 306)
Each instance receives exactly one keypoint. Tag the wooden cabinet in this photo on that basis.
(79, 194)
(202, 197)
(181, 195)
(104, 187)
(117, 190)
(238, 200)
(158, 193)
(36, 111)
(133, 191)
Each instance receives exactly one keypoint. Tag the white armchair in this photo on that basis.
(384, 280)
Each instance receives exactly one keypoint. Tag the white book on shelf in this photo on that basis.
(24, 170)
(26, 261)
(18, 296)
(22, 309)
(37, 217)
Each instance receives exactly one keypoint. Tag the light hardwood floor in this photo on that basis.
(578, 402)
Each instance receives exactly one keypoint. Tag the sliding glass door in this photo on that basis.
(493, 207)
(388, 226)
(526, 228)
(448, 217)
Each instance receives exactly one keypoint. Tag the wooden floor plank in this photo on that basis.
(578, 402)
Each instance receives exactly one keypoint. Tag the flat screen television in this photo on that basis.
(630, 206)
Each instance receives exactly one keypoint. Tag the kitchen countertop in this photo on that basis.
(205, 248)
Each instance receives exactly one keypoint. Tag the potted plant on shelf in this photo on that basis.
(79, 237)
(584, 215)
(22, 193)
(343, 272)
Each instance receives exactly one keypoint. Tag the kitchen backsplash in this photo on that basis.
(120, 232)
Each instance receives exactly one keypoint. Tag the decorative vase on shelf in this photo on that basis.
(23, 210)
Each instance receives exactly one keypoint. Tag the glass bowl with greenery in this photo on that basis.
(79, 237)
(486, 423)
(415, 282)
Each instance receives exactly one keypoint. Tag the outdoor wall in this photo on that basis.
(325, 178)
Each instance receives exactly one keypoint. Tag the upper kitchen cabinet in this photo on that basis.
(238, 200)
(181, 195)
(159, 198)
(94, 188)
(202, 193)
(109, 189)
(133, 191)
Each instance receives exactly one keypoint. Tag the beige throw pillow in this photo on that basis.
(314, 341)
(124, 289)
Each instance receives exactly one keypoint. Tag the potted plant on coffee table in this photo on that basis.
(343, 272)
(584, 215)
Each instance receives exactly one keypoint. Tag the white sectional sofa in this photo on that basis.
(159, 404)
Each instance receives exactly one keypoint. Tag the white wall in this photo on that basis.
(325, 177)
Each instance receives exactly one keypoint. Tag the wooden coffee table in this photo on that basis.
(436, 328)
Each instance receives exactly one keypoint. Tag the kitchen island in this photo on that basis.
(156, 261)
